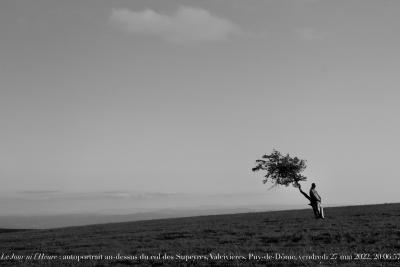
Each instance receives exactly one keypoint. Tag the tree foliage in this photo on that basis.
(281, 170)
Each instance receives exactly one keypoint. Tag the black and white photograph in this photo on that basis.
(199, 133)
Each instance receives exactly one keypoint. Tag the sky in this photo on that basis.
(181, 97)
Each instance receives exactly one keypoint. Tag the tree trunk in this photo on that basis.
(305, 195)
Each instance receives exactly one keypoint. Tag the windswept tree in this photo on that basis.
(280, 169)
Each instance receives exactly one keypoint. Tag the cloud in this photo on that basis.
(186, 25)
(309, 34)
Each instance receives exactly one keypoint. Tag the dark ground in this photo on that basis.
(357, 235)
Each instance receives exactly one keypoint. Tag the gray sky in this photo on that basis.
(183, 96)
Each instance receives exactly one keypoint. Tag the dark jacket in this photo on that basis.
(314, 197)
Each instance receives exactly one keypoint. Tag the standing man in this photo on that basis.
(315, 201)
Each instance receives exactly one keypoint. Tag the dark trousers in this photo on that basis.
(315, 207)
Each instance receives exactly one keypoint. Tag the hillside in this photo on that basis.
(356, 235)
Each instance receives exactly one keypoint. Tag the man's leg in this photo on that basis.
(321, 212)
(316, 211)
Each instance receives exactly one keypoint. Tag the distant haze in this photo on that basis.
(181, 97)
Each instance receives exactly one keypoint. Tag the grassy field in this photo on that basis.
(357, 235)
